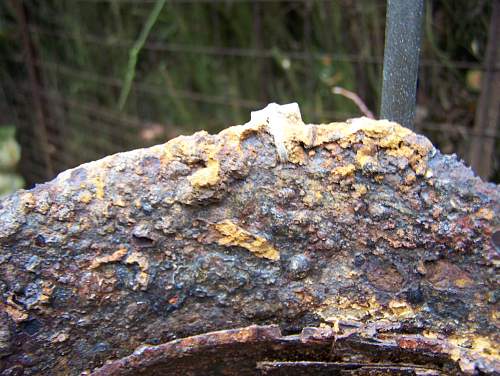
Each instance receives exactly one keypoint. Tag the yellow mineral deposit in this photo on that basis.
(141, 260)
(115, 256)
(233, 235)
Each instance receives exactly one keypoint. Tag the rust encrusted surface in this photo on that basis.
(264, 350)
(360, 224)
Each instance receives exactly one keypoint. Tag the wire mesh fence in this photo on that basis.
(206, 64)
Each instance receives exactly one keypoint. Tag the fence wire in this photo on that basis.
(207, 63)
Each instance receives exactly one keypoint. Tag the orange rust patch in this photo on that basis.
(400, 309)
(343, 171)
(304, 297)
(359, 190)
(119, 202)
(115, 256)
(366, 155)
(28, 201)
(15, 311)
(47, 289)
(485, 213)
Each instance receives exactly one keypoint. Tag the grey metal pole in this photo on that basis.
(401, 53)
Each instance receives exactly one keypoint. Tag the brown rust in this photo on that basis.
(248, 351)
(361, 227)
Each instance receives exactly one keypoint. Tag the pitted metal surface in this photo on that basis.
(364, 225)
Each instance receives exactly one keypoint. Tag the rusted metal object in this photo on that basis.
(246, 351)
(361, 229)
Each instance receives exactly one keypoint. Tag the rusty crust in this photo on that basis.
(247, 351)
(360, 223)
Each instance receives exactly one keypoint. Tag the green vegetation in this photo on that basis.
(10, 153)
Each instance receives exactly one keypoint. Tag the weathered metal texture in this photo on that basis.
(241, 351)
(360, 226)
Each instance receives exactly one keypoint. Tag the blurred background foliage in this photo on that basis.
(10, 153)
(206, 64)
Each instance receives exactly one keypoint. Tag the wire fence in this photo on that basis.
(207, 63)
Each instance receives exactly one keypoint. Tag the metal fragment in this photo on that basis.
(366, 233)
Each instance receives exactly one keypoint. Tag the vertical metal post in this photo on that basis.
(402, 48)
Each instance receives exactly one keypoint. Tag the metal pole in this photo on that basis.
(402, 48)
